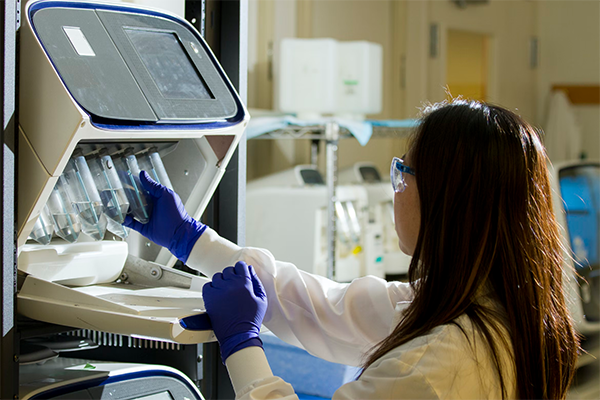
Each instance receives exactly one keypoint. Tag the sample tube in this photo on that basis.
(129, 173)
(111, 191)
(66, 221)
(355, 227)
(43, 228)
(152, 163)
(85, 197)
(117, 228)
(109, 186)
(343, 228)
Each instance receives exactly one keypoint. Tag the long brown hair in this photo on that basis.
(487, 223)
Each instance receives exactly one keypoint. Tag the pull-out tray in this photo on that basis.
(158, 313)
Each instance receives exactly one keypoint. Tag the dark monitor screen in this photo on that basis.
(157, 396)
(168, 64)
(580, 191)
(370, 174)
(311, 177)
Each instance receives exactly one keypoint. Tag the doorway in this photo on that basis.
(467, 64)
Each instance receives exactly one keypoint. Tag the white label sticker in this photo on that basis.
(78, 40)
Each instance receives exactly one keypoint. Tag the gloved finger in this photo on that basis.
(259, 290)
(241, 269)
(129, 222)
(217, 279)
(229, 273)
(207, 289)
(154, 188)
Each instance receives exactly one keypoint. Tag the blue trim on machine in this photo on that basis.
(110, 124)
(74, 387)
(198, 322)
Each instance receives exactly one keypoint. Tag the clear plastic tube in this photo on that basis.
(66, 221)
(43, 228)
(355, 227)
(343, 227)
(129, 173)
(109, 186)
(117, 229)
(85, 197)
(152, 163)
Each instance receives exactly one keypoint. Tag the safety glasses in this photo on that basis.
(396, 170)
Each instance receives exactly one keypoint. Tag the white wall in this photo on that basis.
(569, 32)
(510, 26)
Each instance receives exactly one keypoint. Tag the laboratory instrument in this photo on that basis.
(381, 215)
(71, 378)
(577, 205)
(576, 188)
(287, 214)
(107, 89)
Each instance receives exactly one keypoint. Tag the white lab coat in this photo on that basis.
(341, 322)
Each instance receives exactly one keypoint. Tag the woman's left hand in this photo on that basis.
(236, 303)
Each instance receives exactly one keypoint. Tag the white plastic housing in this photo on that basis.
(307, 77)
(359, 81)
(325, 76)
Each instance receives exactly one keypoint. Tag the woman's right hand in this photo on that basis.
(170, 225)
(236, 303)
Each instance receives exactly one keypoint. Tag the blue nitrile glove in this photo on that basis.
(170, 225)
(236, 303)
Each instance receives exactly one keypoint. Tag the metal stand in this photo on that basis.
(9, 344)
(331, 140)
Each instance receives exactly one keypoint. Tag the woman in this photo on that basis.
(484, 314)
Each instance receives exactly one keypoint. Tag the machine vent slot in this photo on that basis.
(115, 340)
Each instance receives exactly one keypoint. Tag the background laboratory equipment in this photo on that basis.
(381, 215)
(360, 79)
(326, 76)
(84, 196)
(578, 211)
(576, 200)
(293, 204)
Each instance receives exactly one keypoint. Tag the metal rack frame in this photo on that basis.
(226, 33)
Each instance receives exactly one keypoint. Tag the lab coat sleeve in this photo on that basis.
(252, 378)
(334, 321)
